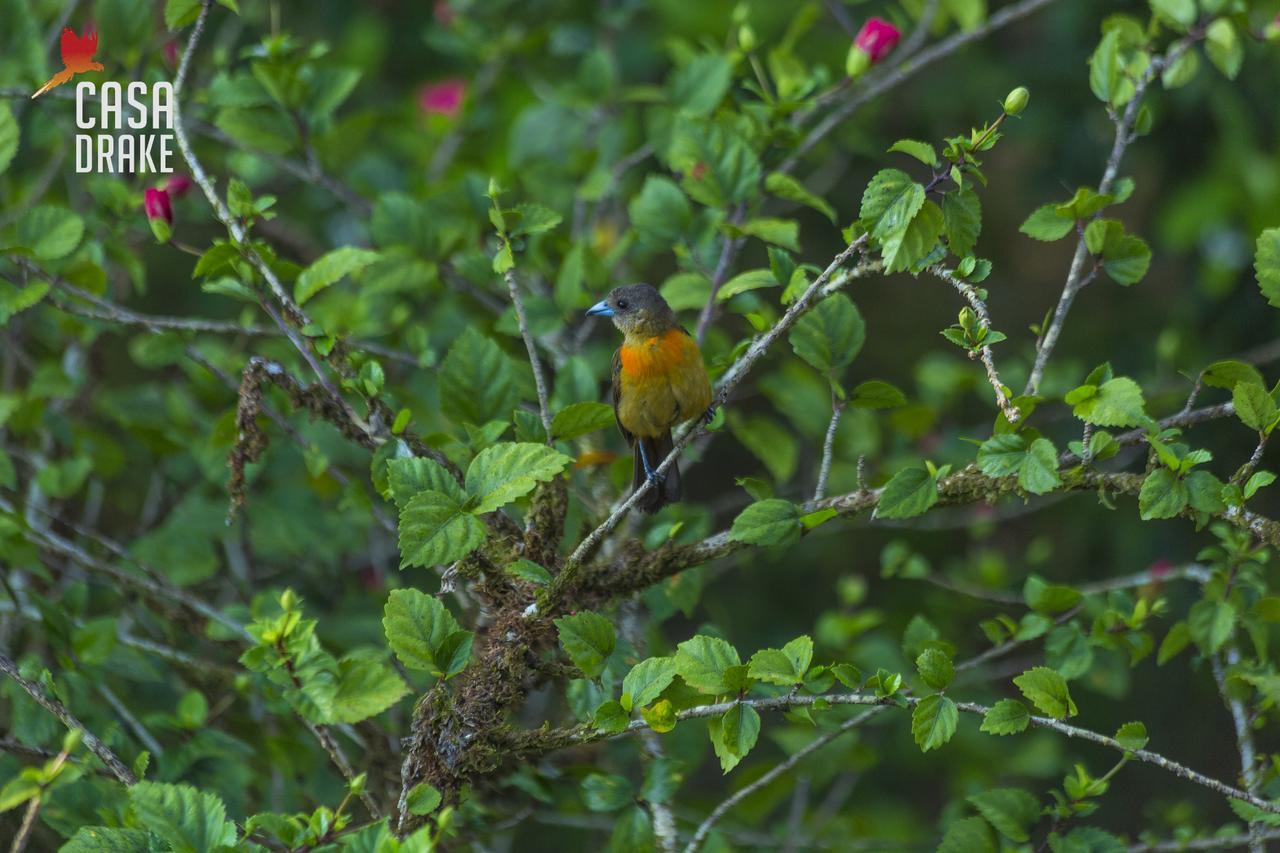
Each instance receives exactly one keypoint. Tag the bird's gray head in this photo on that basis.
(636, 309)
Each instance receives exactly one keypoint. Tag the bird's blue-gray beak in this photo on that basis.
(601, 309)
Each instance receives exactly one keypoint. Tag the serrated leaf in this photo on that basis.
(424, 635)
(703, 662)
(646, 681)
(187, 820)
(961, 221)
(509, 470)
(934, 721)
(785, 666)
(922, 151)
(1012, 811)
(890, 202)
(587, 639)
(1117, 402)
(477, 380)
(1266, 264)
(910, 493)
(1132, 735)
(786, 187)
(1163, 495)
(1006, 717)
(606, 793)
(968, 835)
(734, 735)
(50, 231)
(904, 249)
(410, 475)
(769, 522)
(830, 335)
(9, 136)
(330, 268)
(435, 529)
(1046, 224)
(936, 668)
(1254, 407)
(1047, 690)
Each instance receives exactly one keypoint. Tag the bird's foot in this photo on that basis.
(655, 479)
(708, 416)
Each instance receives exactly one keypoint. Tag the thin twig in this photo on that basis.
(828, 448)
(53, 706)
(728, 251)
(1077, 278)
(539, 381)
(1225, 843)
(1244, 738)
(970, 293)
(704, 828)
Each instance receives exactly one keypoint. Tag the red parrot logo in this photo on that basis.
(77, 58)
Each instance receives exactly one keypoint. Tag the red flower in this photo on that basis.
(156, 204)
(876, 38)
(178, 186)
(443, 98)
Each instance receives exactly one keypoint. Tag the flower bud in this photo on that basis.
(178, 186)
(1272, 30)
(443, 98)
(856, 62)
(1016, 101)
(877, 38)
(159, 214)
(746, 38)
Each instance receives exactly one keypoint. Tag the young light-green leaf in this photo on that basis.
(588, 639)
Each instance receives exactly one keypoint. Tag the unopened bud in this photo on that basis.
(1016, 101)
(746, 38)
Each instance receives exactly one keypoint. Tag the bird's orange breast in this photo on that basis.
(659, 356)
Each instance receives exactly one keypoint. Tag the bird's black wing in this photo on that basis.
(617, 395)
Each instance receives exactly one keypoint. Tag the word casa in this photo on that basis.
(138, 107)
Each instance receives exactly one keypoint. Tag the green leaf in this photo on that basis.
(578, 419)
(1126, 259)
(1266, 264)
(660, 212)
(744, 281)
(902, 250)
(875, 394)
(934, 721)
(1046, 224)
(528, 570)
(103, 839)
(1163, 495)
(786, 187)
(477, 380)
(646, 681)
(830, 335)
(410, 475)
(64, 478)
(968, 835)
(1043, 597)
(423, 799)
(719, 166)
(1182, 70)
(1228, 373)
(587, 639)
(14, 300)
(1222, 46)
(1254, 406)
(779, 232)
(435, 529)
(734, 735)
(1006, 717)
(1117, 402)
(1132, 735)
(610, 718)
(50, 231)
(534, 219)
(1034, 463)
(698, 86)
(330, 268)
(9, 136)
(603, 793)
(187, 820)
(366, 687)
(179, 13)
(1174, 642)
(1180, 12)
(1012, 811)
(785, 666)
(890, 202)
(1211, 623)
(922, 151)
(632, 832)
(1047, 690)
(1259, 480)
(1106, 72)
(936, 668)
(703, 663)
(961, 221)
(910, 493)
(769, 522)
(424, 634)
(508, 470)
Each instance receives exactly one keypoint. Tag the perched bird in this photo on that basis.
(659, 382)
(77, 58)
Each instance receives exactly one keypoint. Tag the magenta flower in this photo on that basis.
(876, 38)
(443, 98)
(178, 186)
(157, 205)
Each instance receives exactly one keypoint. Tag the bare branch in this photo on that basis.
(539, 380)
(828, 448)
(1011, 413)
(53, 706)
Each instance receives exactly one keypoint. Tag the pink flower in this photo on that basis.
(876, 38)
(178, 186)
(443, 98)
(171, 55)
(1159, 568)
(156, 204)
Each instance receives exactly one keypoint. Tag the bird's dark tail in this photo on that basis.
(666, 492)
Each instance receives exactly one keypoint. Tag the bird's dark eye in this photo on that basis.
(622, 304)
